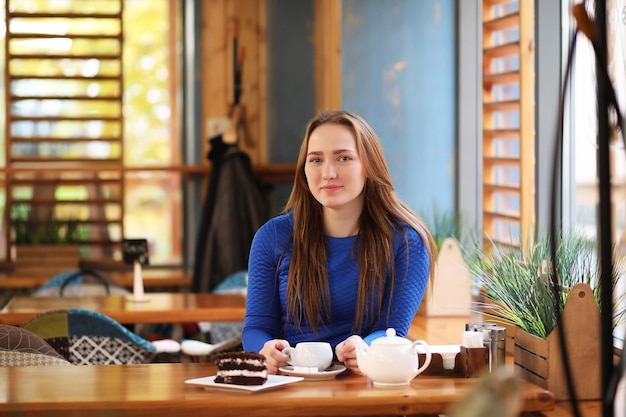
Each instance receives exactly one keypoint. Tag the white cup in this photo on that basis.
(317, 355)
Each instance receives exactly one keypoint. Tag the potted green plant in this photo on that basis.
(517, 286)
(517, 290)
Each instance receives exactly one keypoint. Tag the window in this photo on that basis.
(582, 198)
(92, 124)
(583, 118)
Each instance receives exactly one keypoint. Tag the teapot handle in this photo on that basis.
(427, 352)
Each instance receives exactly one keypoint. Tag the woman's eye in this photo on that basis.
(314, 160)
(344, 158)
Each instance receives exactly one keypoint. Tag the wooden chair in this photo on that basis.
(80, 282)
(86, 337)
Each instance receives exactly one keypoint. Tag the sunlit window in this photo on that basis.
(94, 124)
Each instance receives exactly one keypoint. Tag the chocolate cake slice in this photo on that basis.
(241, 368)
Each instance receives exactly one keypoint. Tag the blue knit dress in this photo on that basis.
(266, 316)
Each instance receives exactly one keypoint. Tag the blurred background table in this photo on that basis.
(158, 307)
(159, 279)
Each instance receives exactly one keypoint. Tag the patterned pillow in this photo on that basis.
(103, 350)
(16, 358)
(19, 347)
(87, 337)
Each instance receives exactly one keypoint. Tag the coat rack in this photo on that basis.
(237, 127)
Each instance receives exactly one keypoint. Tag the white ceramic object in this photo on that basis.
(318, 355)
(329, 373)
(448, 353)
(196, 348)
(166, 346)
(390, 360)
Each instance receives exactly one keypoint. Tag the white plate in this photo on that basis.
(329, 373)
(273, 381)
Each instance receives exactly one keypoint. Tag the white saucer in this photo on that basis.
(329, 373)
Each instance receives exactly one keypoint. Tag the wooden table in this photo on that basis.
(159, 307)
(159, 390)
(152, 278)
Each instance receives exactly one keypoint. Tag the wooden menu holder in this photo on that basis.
(539, 360)
(450, 293)
(135, 252)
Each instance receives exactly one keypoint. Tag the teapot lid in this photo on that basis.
(391, 339)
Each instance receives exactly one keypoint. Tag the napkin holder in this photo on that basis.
(468, 363)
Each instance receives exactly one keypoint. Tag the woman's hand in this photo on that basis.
(346, 353)
(275, 358)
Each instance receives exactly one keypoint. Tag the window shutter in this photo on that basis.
(64, 135)
(508, 123)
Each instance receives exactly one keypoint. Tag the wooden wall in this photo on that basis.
(221, 20)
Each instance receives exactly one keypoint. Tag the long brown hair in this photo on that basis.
(308, 292)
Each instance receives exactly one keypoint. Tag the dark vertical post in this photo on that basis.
(605, 239)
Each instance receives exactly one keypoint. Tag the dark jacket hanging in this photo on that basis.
(236, 205)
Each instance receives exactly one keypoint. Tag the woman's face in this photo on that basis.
(333, 168)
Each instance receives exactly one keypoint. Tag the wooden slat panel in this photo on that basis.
(508, 162)
(41, 159)
(66, 35)
(501, 51)
(91, 221)
(502, 216)
(512, 246)
(13, 15)
(38, 139)
(68, 98)
(512, 105)
(54, 181)
(23, 76)
(260, 169)
(47, 201)
(52, 55)
(512, 77)
(497, 188)
(39, 171)
(510, 21)
(501, 133)
(497, 27)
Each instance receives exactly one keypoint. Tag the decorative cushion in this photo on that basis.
(8, 358)
(19, 347)
(102, 350)
(89, 337)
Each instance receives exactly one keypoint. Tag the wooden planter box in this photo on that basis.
(45, 259)
(540, 361)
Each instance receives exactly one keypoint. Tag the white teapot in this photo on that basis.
(390, 360)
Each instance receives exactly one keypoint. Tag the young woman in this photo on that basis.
(346, 256)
